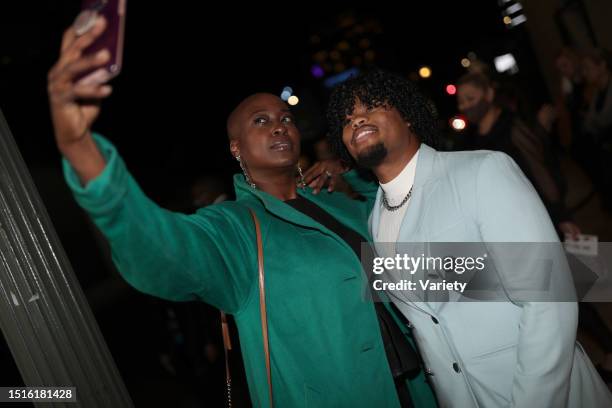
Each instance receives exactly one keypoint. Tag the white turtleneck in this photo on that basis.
(395, 191)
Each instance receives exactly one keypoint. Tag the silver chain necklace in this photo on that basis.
(390, 207)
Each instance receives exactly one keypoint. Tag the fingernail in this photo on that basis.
(106, 89)
(103, 55)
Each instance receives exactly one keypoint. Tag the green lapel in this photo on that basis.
(337, 204)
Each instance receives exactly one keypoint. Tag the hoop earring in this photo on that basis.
(245, 172)
(302, 181)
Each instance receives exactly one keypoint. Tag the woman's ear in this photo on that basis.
(234, 149)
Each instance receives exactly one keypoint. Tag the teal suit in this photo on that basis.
(491, 354)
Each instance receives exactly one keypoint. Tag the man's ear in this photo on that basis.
(234, 148)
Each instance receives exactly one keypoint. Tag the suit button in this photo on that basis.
(434, 320)
(456, 368)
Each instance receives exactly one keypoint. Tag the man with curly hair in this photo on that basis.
(476, 354)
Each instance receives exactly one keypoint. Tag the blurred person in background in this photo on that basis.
(207, 190)
(571, 101)
(597, 122)
(496, 127)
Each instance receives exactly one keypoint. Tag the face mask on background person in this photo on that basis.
(474, 114)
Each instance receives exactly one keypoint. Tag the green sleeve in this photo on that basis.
(162, 253)
(367, 188)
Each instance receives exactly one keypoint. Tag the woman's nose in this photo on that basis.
(279, 130)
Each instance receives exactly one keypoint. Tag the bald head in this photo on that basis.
(250, 105)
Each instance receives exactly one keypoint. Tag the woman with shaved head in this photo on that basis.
(327, 345)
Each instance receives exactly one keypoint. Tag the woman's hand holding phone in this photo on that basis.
(74, 103)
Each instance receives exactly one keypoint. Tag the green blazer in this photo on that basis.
(326, 347)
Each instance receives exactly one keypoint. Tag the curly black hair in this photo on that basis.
(373, 89)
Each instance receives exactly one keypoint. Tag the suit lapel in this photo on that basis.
(375, 216)
(413, 230)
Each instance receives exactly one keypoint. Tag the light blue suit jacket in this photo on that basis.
(491, 354)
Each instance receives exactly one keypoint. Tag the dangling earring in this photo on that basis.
(246, 174)
(302, 181)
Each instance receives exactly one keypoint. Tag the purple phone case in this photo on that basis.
(112, 37)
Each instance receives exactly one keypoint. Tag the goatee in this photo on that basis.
(372, 157)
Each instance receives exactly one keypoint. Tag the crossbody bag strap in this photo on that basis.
(264, 319)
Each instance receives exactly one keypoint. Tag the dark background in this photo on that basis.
(186, 67)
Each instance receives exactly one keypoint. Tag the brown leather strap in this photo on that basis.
(262, 303)
(227, 346)
(264, 318)
(227, 341)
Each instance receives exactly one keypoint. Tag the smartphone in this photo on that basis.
(112, 38)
